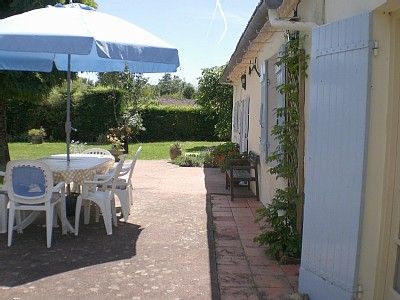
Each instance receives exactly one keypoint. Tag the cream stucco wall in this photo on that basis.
(377, 202)
(340, 9)
(268, 183)
(375, 172)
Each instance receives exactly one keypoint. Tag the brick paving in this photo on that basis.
(175, 245)
(244, 270)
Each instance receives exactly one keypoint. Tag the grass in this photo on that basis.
(150, 151)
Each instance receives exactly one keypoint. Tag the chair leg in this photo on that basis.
(86, 212)
(62, 215)
(49, 224)
(97, 214)
(11, 216)
(3, 213)
(123, 197)
(18, 220)
(77, 213)
(106, 212)
(114, 213)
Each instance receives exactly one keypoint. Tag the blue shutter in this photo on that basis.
(335, 155)
(264, 111)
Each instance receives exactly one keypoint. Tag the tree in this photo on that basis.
(188, 91)
(22, 85)
(170, 85)
(216, 98)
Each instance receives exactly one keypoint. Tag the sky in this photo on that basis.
(196, 28)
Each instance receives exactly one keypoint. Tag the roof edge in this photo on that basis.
(255, 24)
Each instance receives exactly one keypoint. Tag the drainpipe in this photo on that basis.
(277, 23)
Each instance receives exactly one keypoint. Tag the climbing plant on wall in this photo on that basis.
(283, 235)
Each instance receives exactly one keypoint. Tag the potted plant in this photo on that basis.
(116, 146)
(224, 152)
(175, 150)
(37, 135)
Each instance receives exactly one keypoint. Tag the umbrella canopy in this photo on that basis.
(97, 42)
(76, 37)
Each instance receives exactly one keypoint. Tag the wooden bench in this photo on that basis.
(242, 170)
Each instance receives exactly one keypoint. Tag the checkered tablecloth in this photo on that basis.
(81, 167)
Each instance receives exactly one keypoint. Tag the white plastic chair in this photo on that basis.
(103, 198)
(30, 188)
(124, 187)
(97, 151)
(3, 207)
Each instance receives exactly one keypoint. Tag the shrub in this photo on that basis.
(37, 132)
(221, 153)
(166, 123)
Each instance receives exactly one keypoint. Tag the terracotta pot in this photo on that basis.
(116, 153)
(36, 139)
(174, 153)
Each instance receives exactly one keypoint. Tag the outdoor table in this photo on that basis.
(81, 167)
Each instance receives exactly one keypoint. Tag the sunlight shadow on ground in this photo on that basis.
(28, 259)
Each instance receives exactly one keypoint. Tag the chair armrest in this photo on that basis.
(100, 177)
(93, 182)
(124, 171)
(59, 187)
(2, 174)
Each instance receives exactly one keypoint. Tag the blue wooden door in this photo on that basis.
(336, 140)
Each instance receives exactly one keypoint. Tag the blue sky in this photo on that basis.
(188, 25)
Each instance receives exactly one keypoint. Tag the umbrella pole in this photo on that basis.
(68, 122)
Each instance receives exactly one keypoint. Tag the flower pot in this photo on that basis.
(36, 139)
(117, 153)
(174, 153)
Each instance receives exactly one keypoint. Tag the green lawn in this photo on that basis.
(150, 151)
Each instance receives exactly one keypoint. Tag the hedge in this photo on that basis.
(168, 123)
(92, 114)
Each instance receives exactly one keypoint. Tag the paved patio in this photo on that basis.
(165, 251)
(244, 271)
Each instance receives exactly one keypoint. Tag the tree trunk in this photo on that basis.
(4, 152)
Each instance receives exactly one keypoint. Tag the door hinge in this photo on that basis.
(375, 48)
(359, 292)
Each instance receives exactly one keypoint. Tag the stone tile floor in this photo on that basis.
(162, 252)
(244, 270)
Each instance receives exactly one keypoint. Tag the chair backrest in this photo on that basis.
(97, 151)
(135, 157)
(29, 182)
(116, 174)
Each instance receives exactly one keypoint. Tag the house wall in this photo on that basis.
(340, 9)
(268, 182)
(382, 144)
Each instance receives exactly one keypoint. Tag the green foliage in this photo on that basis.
(176, 123)
(283, 238)
(223, 152)
(94, 113)
(169, 85)
(188, 91)
(216, 98)
(37, 132)
(202, 159)
(150, 151)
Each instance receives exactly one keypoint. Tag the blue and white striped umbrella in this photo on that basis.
(76, 37)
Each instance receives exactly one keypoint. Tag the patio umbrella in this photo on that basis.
(76, 37)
